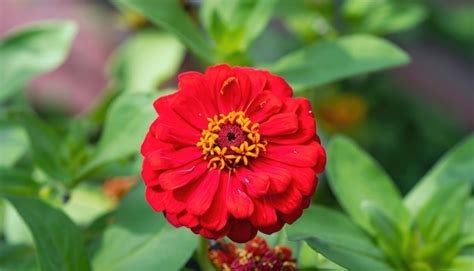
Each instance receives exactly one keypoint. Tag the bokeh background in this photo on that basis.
(406, 118)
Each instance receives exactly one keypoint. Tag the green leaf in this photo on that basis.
(16, 182)
(462, 263)
(440, 220)
(454, 166)
(13, 143)
(142, 238)
(59, 243)
(389, 237)
(171, 17)
(468, 220)
(126, 123)
(357, 179)
(336, 237)
(45, 145)
(235, 24)
(329, 61)
(32, 50)
(17, 257)
(382, 17)
(146, 60)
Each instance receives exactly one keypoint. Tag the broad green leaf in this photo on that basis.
(16, 182)
(87, 203)
(59, 243)
(146, 60)
(126, 123)
(455, 166)
(45, 145)
(32, 50)
(335, 236)
(13, 143)
(142, 238)
(17, 257)
(327, 61)
(356, 179)
(235, 24)
(171, 17)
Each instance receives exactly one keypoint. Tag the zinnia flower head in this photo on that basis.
(255, 255)
(231, 153)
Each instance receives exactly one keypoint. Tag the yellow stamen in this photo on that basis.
(233, 156)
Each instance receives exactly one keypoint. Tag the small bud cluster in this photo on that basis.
(255, 255)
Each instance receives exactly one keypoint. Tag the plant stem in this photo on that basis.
(201, 255)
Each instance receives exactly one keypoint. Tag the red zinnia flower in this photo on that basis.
(231, 153)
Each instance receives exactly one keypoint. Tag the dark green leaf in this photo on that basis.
(126, 123)
(142, 238)
(17, 257)
(170, 16)
(45, 145)
(32, 50)
(356, 179)
(335, 236)
(455, 166)
(16, 182)
(328, 61)
(146, 60)
(59, 243)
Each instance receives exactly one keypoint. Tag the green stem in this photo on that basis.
(202, 257)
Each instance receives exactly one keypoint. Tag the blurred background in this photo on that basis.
(406, 118)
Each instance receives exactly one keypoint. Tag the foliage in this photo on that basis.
(381, 231)
(44, 161)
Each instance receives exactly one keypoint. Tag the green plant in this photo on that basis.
(429, 229)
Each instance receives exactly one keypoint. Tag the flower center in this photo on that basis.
(230, 140)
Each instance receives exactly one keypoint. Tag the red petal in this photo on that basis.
(306, 123)
(178, 177)
(150, 176)
(191, 110)
(216, 217)
(176, 132)
(156, 198)
(272, 228)
(212, 234)
(203, 193)
(163, 159)
(242, 231)
(280, 124)
(286, 202)
(263, 106)
(188, 219)
(305, 180)
(251, 82)
(292, 217)
(257, 185)
(280, 177)
(278, 86)
(238, 203)
(264, 215)
(173, 219)
(295, 155)
(223, 88)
